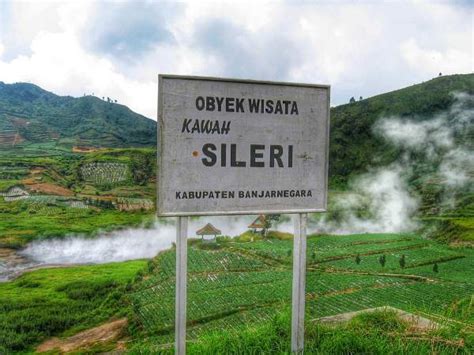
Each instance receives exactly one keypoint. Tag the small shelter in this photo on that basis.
(259, 224)
(208, 233)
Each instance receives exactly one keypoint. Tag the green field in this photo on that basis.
(239, 292)
(49, 302)
(242, 285)
(85, 166)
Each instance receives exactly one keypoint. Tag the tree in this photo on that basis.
(440, 74)
(360, 98)
(382, 260)
(313, 255)
(402, 261)
(141, 167)
(435, 267)
(352, 100)
(269, 219)
(357, 259)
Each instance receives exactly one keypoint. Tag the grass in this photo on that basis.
(235, 290)
(379, 332)
(18, 225)
(63, 301)
(238, 299)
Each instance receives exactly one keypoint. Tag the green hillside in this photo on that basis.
(353, 144)
(31, 115)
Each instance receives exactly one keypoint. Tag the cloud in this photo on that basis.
(126, 31)
(117, 49)
(58, 63)
(425, 60)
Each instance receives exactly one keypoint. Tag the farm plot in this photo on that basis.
(101, 173)
(327, 248)
(133, 204)
(459, 270)
(431, 298)
(242, 284)
(274, 249)
(13, 172)
(324, 253)
(428, 254)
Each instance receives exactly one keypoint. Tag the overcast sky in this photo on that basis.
(117, 49)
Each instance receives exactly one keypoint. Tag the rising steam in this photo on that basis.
(381, 201)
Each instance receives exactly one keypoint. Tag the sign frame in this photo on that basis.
(161, 148)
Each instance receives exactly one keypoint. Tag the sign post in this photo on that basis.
(230, 147)
(181, 270)
(299, 283)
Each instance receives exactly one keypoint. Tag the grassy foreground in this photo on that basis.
(239, 291)
(57, 301)
(374, 333)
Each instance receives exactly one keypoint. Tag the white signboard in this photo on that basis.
(241, 147)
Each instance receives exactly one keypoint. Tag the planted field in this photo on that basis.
(245, 284)
(101, 173)
(428, 254)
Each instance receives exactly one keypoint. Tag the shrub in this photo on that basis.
(402, 261)
(382, 260)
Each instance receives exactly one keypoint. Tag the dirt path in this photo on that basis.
(104, 333)
(417, 322)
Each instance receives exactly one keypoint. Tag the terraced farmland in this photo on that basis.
(240, 284)
(104, 172)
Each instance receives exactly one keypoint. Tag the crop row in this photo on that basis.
(282, 249)
(104, 173)
(429, 297)
(429, 253)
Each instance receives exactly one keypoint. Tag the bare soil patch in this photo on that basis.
(417, 322)
(104, 333)
(81, 149)
(50, 189)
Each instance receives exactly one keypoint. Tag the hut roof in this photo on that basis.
(208, 229)
(259, 222)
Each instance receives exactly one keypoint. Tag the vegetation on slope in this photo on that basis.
(48, 302)
(235, 289)
(354, 146)
(29, 114)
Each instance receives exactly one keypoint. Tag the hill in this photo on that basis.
(31, 115)
(354, 146)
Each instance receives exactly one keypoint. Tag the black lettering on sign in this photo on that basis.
(276, 151)
(200, 103)
(254, 155)
(219, 100)
(185, 128)
(229, 104)
(254, 105)
(210, 105)
(233, 157)
(208, 150)
(236, 104)
(239, 105)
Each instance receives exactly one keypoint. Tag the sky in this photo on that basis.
(117, 49)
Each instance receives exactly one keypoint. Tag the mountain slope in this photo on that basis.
(353, 144)
(29, 114)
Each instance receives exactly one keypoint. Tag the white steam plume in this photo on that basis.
(380, 201)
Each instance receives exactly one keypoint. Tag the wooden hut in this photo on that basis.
(208, 233)
(259, 224)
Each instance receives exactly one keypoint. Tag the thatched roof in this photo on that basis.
(258, 223)
(208, 229)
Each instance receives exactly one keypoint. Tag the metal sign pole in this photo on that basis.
(299, 282)
(181, 279)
